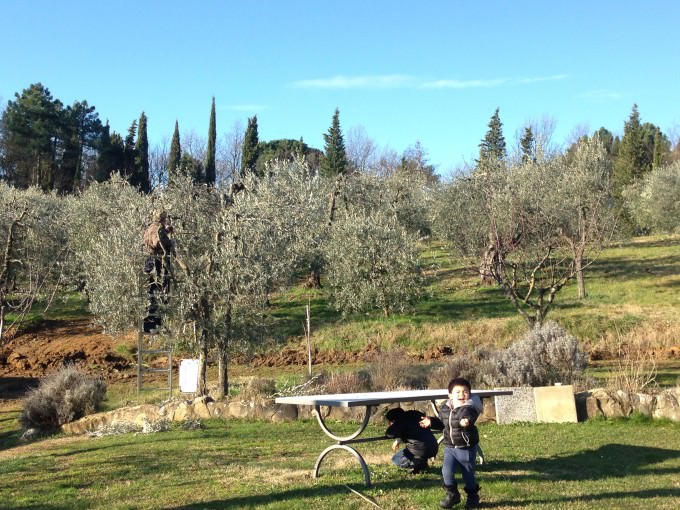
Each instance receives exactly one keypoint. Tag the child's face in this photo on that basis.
(459, 394)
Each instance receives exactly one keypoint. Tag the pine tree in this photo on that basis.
(250, 149)
(493, 145)
(141, 178)
(175, 156)
(334, 161)
(210, 163)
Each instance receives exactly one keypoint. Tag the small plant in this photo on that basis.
(395, 370)
(62, 397)
(635, 367)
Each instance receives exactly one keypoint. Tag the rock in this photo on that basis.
(238, 409)
(667, 406)
(284, 412)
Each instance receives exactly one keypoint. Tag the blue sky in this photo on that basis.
(405, 71)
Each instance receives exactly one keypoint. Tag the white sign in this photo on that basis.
(188, 376)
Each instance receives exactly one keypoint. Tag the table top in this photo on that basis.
(378, 397)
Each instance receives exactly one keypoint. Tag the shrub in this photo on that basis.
(62, 397)
(543, 356)
(394, 370)
(346, 382)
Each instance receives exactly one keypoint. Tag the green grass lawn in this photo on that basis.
(630, 464)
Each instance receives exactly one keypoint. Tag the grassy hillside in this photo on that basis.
(632, 292)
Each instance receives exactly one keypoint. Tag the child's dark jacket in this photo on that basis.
(419, 441)
(449, 421)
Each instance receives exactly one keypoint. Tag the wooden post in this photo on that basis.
(308, 333)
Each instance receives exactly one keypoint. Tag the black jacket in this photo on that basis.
(419, 441)
(449, 422)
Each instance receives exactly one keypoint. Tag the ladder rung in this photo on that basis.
(154, 389)
(145, 369)
(156, 351)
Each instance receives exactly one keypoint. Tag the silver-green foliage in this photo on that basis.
(238, 249)
(105, 227)
(32, 246)
(372, 263)
(654, 201)
(543, 356)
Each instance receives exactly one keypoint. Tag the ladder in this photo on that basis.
(156, 343)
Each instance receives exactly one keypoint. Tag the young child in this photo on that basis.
(420, 442)
(457, 417)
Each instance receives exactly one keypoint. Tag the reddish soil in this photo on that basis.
(28, 356)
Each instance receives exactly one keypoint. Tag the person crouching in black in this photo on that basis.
(421, 444)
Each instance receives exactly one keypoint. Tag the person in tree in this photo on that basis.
(404, 427)
(160, 249)
(457, 417)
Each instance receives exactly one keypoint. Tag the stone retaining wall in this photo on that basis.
(589, 404)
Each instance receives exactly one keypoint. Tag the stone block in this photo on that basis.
(518, 407)
(555, 404)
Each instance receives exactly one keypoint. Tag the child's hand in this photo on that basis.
(425, 422)
(464, 422)
(395, 445)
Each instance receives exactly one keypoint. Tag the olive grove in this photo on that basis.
(32, 250)
(535, 224)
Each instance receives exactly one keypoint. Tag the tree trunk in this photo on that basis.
(580, 279)
(223, 358)
(222, 370)
(203, 364)
(314, 279)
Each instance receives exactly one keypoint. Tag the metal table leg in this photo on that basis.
(343, 441)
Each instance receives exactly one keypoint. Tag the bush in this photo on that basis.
(544, 356)
(395, 370)
(62, 397)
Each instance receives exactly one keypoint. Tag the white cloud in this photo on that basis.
(394, 81)
(385, 81)
(463, 84)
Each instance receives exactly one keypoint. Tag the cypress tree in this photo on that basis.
(493, 145)
(142, 166)
(130, 155)
(527, 144)
(250, 149)
(334, 161)
(175, 156)
(210, 163)
(104, 158)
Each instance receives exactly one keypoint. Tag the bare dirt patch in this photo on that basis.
(28, 356)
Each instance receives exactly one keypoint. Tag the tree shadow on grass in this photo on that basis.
(607, 461)
(603, 498)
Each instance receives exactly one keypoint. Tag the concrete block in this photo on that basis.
(555, 404)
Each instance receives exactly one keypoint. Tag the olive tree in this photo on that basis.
(581, 193)
(105, 225)
(533, 223)
(372, 263)
(237, 248)
(371, 252)
(653, 200)
(32, 249)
